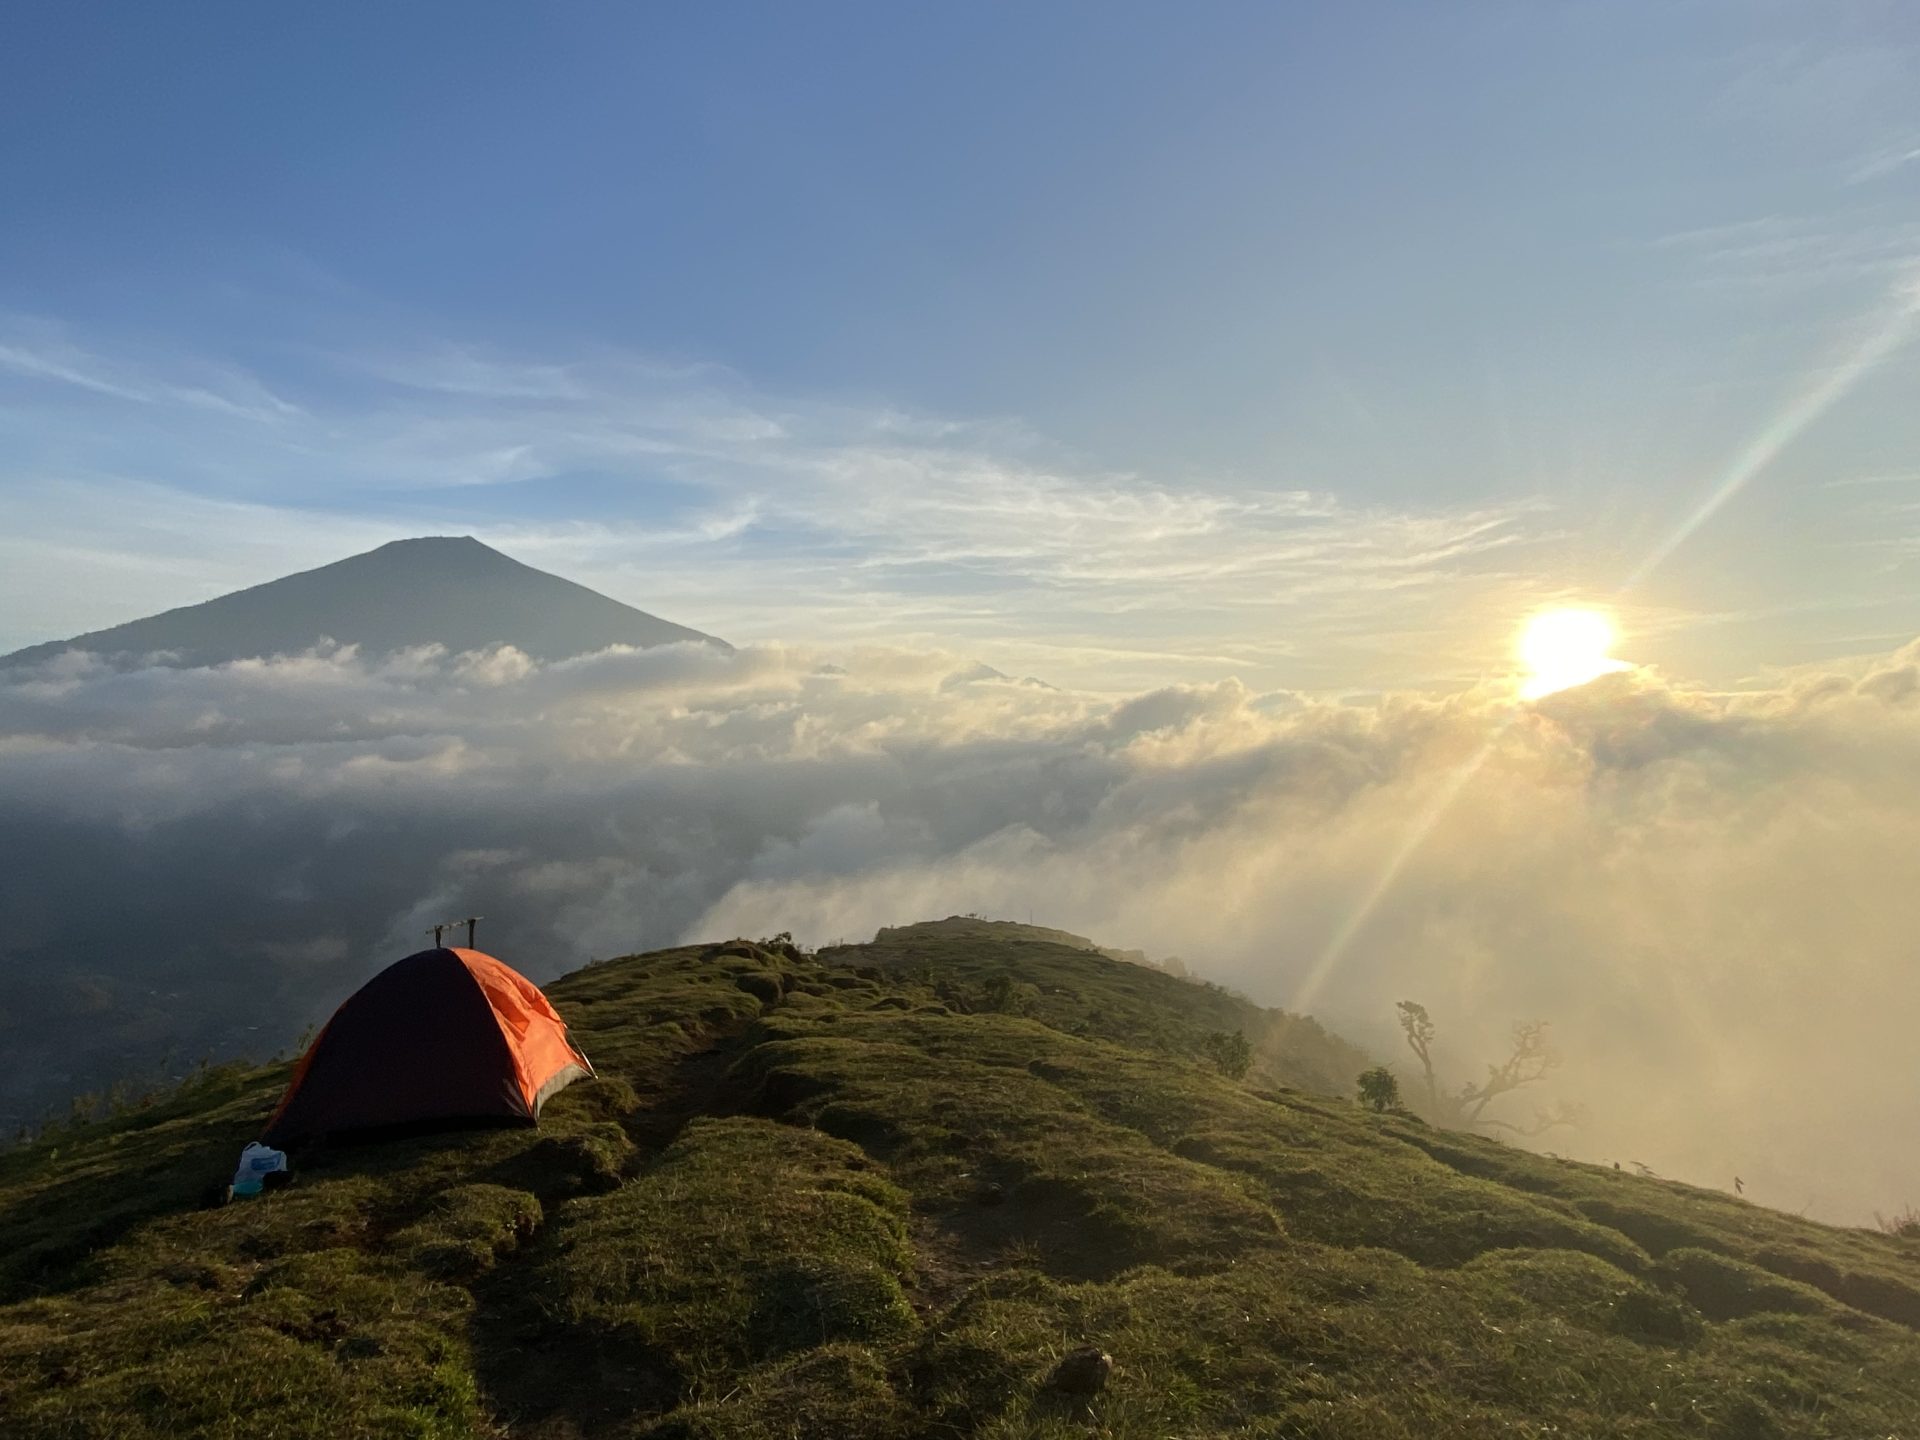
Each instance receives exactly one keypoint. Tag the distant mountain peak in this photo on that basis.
(424, 542)
(449, 590)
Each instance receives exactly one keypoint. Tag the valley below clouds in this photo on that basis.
(1710, 897)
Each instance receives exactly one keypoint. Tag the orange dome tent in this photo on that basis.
(442, 1036)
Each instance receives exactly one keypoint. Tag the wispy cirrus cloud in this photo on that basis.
(1885, 161)
(749, 514)
(39, 353)
(1786, 251)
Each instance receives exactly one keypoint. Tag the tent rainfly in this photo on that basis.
(444, 1036)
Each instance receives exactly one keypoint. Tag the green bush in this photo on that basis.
(1379, 1089)
(1229, 1051)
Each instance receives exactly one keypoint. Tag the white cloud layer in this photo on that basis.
(1708, 897)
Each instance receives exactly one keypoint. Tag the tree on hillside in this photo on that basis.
(1229, 1051)
(1530, 1061)
(1417, 1025)
(1379, 1089)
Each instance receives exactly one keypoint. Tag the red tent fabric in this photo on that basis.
(446, 1035)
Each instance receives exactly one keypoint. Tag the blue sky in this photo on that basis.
(1313, 344)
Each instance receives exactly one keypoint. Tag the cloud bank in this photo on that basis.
(1709, 897)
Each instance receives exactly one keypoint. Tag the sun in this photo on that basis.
(1564, 648)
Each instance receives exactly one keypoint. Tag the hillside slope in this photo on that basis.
(882, 1196)
(437, 590)
(972, 926)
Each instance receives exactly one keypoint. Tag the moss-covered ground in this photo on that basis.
(880, 1192)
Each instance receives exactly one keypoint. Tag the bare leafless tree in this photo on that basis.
(1418, 1026)
(1530, 1061)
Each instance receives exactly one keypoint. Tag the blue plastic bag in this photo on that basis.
(257, 1162)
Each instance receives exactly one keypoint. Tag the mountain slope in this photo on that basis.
(444, 590)
(882, 1197)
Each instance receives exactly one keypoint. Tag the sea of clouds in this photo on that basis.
(1711, 898)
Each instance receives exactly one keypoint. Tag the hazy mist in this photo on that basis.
(1709, 897)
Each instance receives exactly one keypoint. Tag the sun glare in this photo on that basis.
(1564, 648)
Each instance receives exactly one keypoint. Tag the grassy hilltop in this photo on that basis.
(881, 1192)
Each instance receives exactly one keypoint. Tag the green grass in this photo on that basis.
(747, 1244)
(882, 1196)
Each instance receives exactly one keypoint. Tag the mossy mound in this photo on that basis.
(884, 1195)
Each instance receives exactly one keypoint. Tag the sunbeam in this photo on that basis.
(1429, 816)
(1874, 349)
